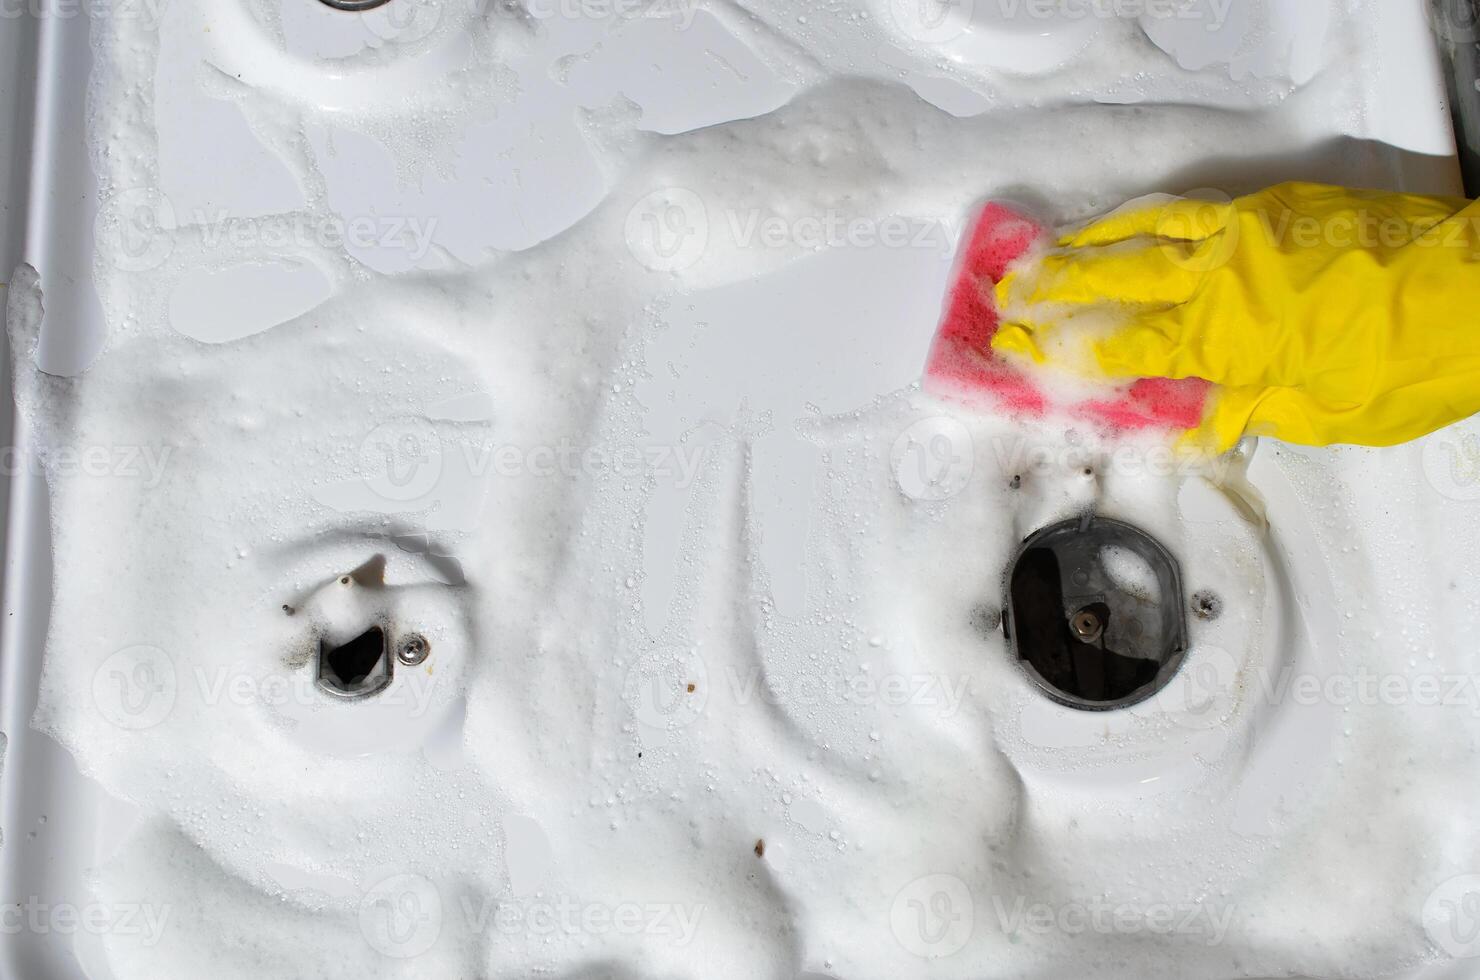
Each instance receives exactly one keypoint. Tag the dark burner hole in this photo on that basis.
(1085, 670)
(1092, 635)
(357, 668)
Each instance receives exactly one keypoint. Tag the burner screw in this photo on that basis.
(414, 650)
(1086, 625)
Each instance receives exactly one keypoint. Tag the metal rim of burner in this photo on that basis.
(1067, 619)
(354, 6)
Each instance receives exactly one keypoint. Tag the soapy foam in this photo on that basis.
(845, 776)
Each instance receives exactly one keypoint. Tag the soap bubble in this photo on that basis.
(1451, 463)
(933, 459)
(933, 916)
(401, 916)
(134, 228)
(135, 687)
(1451, 917)
(668, 230)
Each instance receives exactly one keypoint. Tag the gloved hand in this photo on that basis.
(1323, 315)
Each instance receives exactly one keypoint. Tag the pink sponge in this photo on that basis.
(962, 364)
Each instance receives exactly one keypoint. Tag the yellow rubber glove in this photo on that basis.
(1322, 314)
